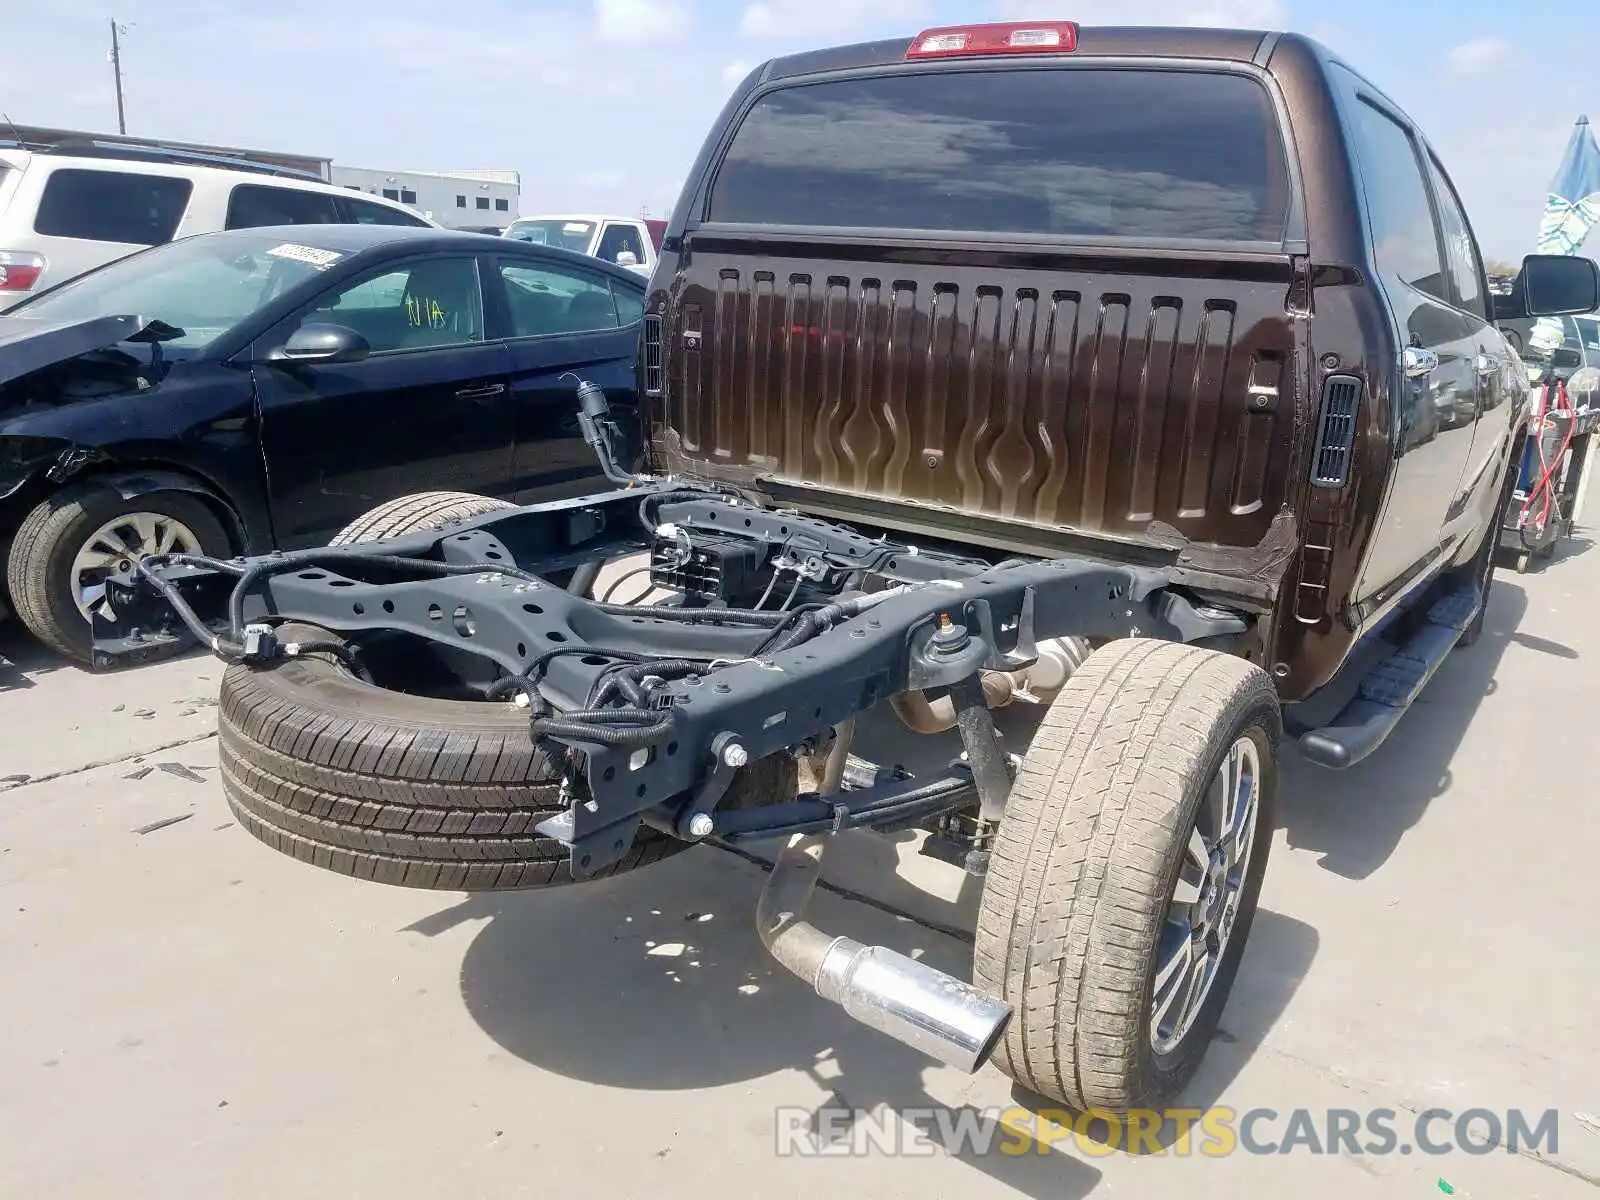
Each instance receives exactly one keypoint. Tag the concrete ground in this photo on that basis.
(190, 1014)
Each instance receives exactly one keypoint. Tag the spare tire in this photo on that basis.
(416, 513)
(392, 787)
(404, 789)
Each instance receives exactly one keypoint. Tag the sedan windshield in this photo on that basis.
(566, 235)
(203, 285)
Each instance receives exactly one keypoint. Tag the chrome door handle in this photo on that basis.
(481, 393)
(1487, 364)
(1419, 362)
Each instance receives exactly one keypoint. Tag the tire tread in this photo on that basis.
(1076, 885)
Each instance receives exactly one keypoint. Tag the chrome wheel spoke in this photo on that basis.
(1206, 896)
(144, 528)
(1192, 871)
(170, 534)
(111, 541)
(93, 558)
(1197, 985)
(1197, 852)
(1243, 795)
(1172, 977)
(120, 541)
(1182, 982)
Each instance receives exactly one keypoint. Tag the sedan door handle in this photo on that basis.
(1420, 362)
(483, 392)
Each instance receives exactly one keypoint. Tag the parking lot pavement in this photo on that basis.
(190, 1014)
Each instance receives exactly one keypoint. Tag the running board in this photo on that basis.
(1392, 686)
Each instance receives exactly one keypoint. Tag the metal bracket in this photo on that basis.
(986, 753)
(727, 757)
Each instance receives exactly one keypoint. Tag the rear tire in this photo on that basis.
(1092, 859)
(417, 513)
(42, 567)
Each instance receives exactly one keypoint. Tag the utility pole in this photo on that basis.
(116, 67)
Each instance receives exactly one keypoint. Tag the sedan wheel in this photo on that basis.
(121, 542)
(76, 539)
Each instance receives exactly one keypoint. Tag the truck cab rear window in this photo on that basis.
(1079, 152)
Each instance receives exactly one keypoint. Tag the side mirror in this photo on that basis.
(317, 342)
(627, 258)
(1559, 285)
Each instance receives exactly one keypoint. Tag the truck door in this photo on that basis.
(1476, 490)
(1434, 383)
(622, 237)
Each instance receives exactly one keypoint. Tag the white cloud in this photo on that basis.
(641, 20)
(733, 74)
(823, 18)
(1477, 56)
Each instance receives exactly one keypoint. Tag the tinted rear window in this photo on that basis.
(367, 213)
(111, 206)
(253, 205)
(1085, 152)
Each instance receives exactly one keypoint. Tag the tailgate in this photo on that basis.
(1063, 392)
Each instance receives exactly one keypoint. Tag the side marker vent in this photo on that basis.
(652, 355)
(1336, 432)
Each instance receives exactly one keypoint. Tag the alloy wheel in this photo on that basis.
(1205, 900)
(118, 544)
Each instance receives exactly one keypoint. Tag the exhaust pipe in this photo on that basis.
(926, 1009)
(1056, 660)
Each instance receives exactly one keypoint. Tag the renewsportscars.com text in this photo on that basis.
(1211, 1133)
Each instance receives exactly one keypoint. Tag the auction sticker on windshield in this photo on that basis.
(306, 254)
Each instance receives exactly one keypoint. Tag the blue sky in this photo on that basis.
(602, 103)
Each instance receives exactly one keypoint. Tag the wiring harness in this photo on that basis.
(623, 708)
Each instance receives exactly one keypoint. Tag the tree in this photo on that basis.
(1494, 266)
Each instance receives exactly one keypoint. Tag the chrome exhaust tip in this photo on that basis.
(928, 1010)
(924, 1008)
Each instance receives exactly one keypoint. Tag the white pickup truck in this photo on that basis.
(629, 242)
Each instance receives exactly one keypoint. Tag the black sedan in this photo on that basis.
(255, 389)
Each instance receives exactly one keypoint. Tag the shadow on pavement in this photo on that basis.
(1567, 548)
(657, 981)
(22, 658)
(1356, 818)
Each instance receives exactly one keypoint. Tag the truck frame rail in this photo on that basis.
(663, 703)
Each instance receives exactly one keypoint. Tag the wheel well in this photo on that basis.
(130, 479)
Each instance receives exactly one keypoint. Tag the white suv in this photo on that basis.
(62, 214)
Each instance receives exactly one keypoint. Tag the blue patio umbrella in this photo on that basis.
(1571, 209)
(1573, 205)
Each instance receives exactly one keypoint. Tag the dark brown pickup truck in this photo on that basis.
(1139, 375)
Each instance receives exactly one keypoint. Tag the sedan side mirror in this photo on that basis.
(317, 342)
(1559, 285)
